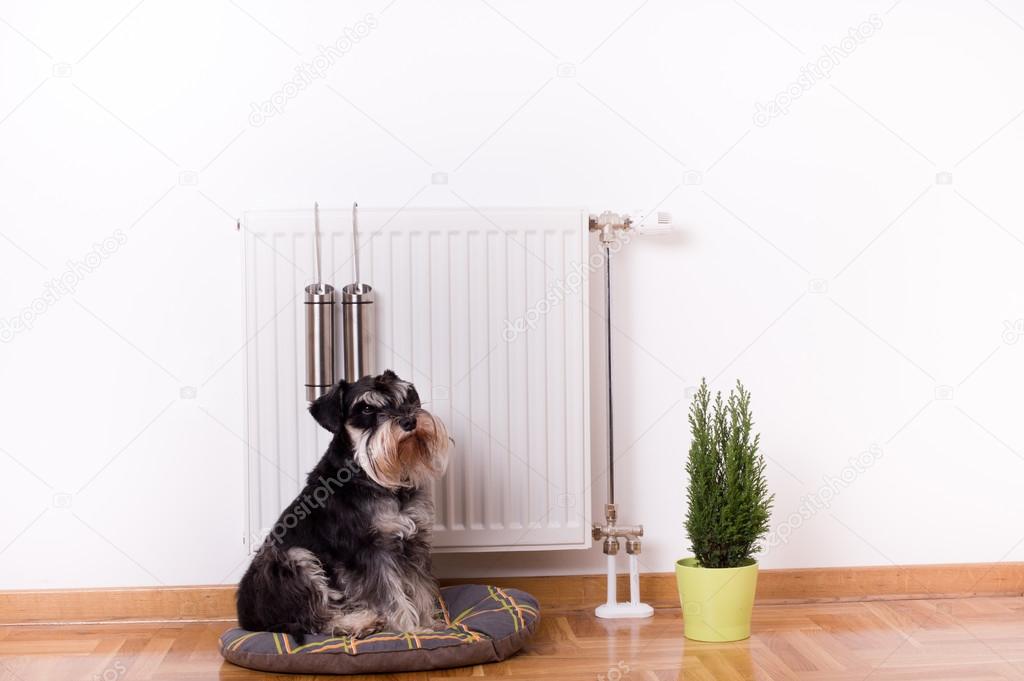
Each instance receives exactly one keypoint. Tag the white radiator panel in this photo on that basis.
(447, 283)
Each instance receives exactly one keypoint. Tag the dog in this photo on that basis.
(351, 555)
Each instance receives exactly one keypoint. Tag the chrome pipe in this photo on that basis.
(608, 341)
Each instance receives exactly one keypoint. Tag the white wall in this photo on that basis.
(821, 261)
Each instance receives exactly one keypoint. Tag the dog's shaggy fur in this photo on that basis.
(351, 554)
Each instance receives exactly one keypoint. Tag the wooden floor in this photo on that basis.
(975, 638)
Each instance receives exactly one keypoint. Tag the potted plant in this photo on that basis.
(729, 508)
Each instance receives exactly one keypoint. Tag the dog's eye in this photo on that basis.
(366, 410)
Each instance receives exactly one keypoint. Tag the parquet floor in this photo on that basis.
(962, 639)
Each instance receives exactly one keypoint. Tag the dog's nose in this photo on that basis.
(407, 422)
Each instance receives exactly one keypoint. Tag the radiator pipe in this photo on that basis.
(634, 580)
(606, 224)
(608, 368)
(613, 597)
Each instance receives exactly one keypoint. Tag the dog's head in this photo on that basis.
(395, 441)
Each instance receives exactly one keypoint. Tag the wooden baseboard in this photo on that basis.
(167, 603)
(803, 585)
(806, 585)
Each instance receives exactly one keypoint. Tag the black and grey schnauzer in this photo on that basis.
(353, 558)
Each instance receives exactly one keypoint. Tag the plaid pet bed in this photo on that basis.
(484, 624)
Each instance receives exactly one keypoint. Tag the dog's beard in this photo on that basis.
(394, 457)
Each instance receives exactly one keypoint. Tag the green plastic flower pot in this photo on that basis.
(716, 602)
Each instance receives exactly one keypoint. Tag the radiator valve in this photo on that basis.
(612, 532)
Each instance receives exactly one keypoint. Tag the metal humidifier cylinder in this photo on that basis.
(319, 339)
(358, 328)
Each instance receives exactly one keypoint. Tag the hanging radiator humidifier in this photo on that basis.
(357, 315)
(319, 325)
(606, 225)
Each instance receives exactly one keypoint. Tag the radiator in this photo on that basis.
(486, 312)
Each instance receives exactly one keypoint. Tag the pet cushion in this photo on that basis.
(483, 624)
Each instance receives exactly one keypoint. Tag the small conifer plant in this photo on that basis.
(728, 494)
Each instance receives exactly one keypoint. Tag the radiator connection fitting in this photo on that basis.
(612, 534)
(607, 223)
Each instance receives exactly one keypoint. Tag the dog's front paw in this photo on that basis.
(375, 627)
(357, 624)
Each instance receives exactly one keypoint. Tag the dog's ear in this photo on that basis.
(326, 409)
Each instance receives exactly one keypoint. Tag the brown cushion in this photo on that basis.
(484, 624)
